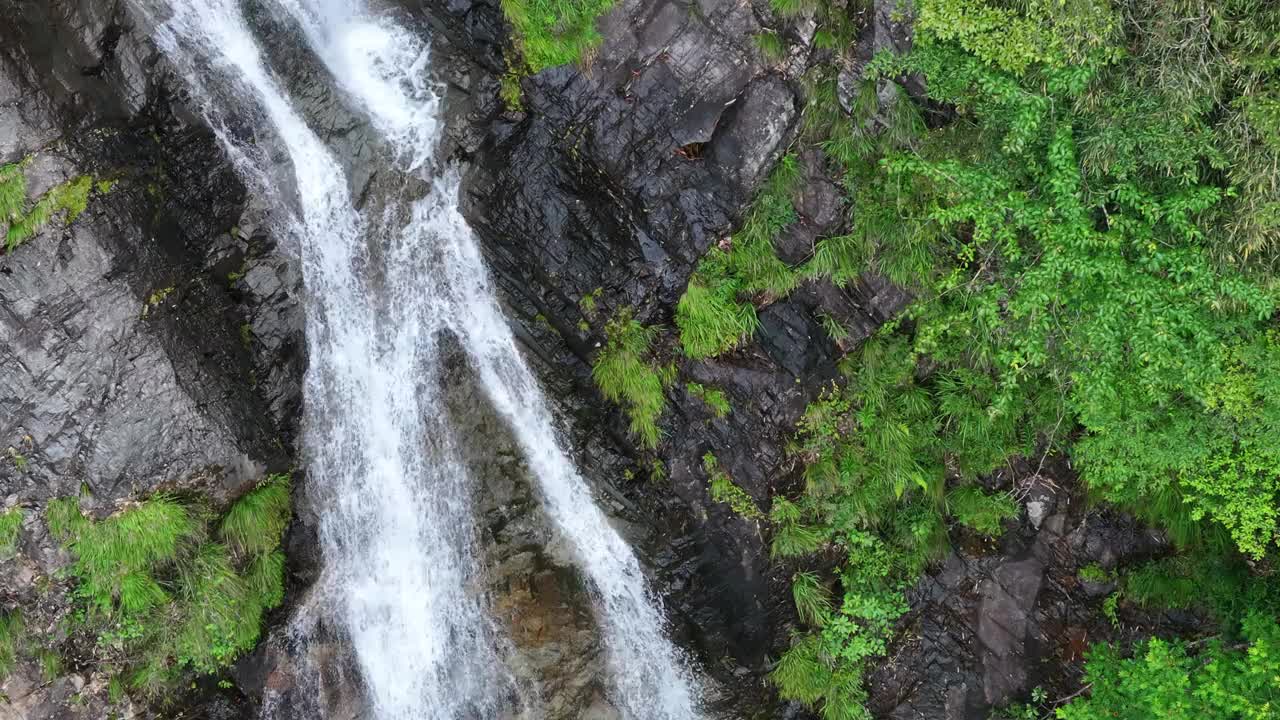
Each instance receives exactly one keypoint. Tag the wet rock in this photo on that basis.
(1005, 623)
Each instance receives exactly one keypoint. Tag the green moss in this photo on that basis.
(510, 92)
(626, 374)
(548, 33)
(1095, 574)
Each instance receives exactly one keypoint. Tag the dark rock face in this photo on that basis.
(126, 371)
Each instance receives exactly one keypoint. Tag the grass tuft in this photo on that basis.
(770, 45)
(554, 32)
(12, 631)
(255, 525)
(724, 490)
(70, 198)
(10, 525)
(626, 375)
(164, 592)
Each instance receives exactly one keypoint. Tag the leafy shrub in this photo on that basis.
(1164, 679)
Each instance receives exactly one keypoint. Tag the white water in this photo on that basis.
(397, 524)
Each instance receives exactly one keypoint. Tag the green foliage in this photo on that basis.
(715, 399)
(724, 490)
(979, 511)
(1164, 679)
(548, 33)
(1095, 574)
(12, 635)
(1089, 245)
(711, 318)
(172, 587)
(10, 525)
(771, 46)
(70, 198)
(50, 664)
(626, 374)
(255, 525)
(1074, 292)
(1208, 580)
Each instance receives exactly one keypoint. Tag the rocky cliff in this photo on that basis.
(153, 342)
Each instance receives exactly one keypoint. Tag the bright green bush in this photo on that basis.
(548, 33)
(10, 525)
(173, 588)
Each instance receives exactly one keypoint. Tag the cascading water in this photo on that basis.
(396, 527)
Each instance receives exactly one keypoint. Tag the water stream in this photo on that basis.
(382, 284)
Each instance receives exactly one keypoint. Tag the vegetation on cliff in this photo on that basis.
(1089, 224)
(168, 588)
(20, 222)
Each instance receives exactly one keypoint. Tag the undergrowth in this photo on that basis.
(170, 588)
(1088, 230)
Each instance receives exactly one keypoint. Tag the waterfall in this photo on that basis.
(397, 529)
